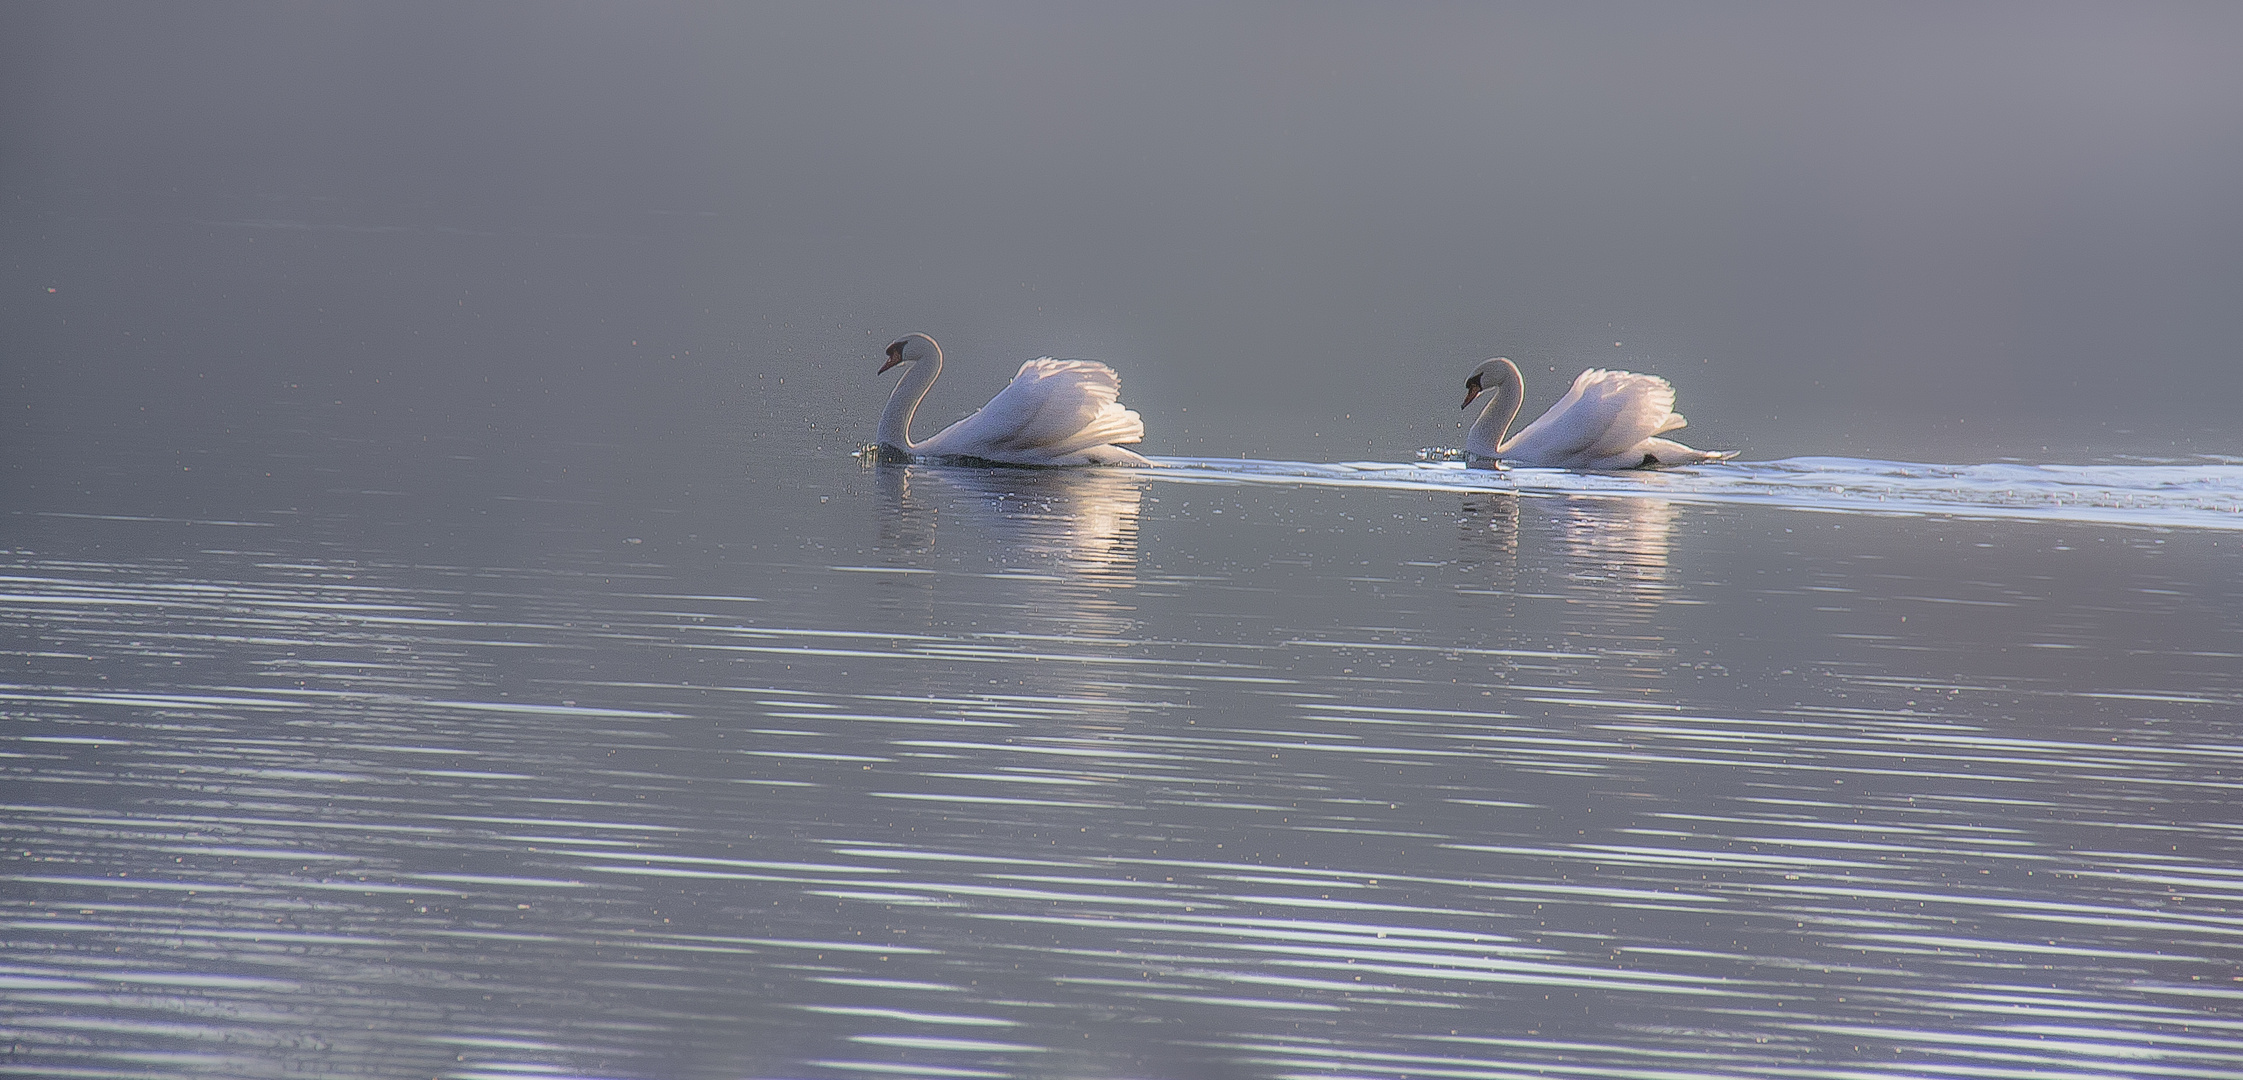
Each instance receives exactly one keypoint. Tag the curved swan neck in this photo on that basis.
(1485, 439)
(895, 423)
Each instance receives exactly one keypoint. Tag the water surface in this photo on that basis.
(1042, 772)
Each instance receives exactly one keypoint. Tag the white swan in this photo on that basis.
(1055, 412)
(1609, 420)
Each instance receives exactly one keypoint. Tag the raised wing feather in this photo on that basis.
(1605, 413)
(1052, 410)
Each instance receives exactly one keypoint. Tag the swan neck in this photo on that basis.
(1485, 439)
(895, 423)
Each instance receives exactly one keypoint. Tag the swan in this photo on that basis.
(1609, 420)
(1054, 412)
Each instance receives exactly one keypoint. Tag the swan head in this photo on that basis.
(911, 349)
(1490, 375)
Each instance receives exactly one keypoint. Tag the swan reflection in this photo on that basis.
(1489, 529)
(1624, 542)
(1617, 553)
(1603, 562)
(1610, 554)
(1491, 524)
(1069, 535)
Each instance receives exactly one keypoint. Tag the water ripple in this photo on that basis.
(1495, 787)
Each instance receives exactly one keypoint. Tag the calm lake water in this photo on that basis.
(1197, 771)
(447, 632)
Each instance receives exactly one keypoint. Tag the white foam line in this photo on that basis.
(2144, 496)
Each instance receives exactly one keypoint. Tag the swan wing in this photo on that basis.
(1052, 411)
(1604, 414)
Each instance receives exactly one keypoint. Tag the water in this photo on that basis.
(446, 633)
(1034, 772)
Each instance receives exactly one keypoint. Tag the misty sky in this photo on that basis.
(2026, 213)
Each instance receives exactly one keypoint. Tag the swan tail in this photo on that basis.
(1666, 453)
(1113, 455)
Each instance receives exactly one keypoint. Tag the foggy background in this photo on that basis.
(1920, 231)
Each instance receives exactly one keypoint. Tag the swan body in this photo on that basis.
(1608, 420)
(1054, 412)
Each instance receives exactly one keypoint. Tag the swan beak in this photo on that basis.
(1471, 391)
(895, 356)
